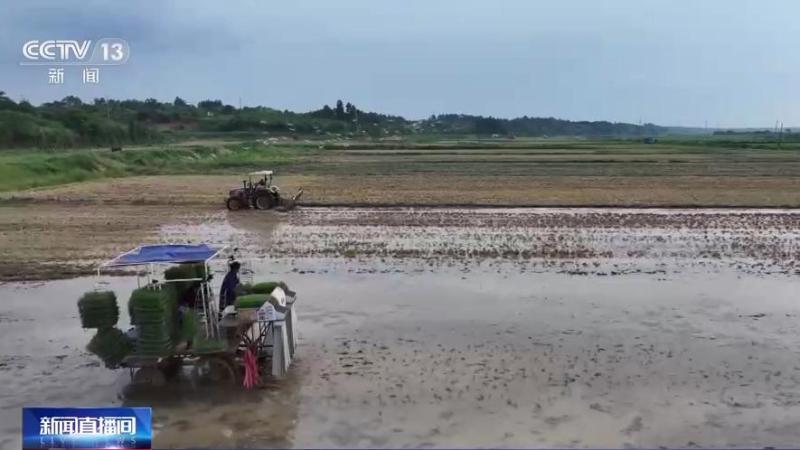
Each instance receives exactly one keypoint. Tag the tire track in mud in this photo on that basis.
(580, 239)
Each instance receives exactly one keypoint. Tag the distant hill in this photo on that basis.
(687, 130)
(70, 122)
(533, 126)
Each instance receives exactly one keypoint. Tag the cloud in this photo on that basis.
(670, 62)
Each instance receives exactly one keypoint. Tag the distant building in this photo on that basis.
(649, 140)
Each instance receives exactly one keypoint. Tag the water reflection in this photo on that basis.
(220, 415)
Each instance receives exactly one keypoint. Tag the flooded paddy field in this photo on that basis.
(437, 327)
(550, 236)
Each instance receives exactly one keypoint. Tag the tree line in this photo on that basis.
(71, 122)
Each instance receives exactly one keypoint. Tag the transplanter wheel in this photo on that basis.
(215, 369)
(151, 376)
(171, 367)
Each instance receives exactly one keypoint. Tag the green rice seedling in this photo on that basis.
(111, 345)
(188, 325)
(251, 301)
(98, 309)
(202, 345)
(264, 288)
(179, 289)
(244, 289)
(154, 312)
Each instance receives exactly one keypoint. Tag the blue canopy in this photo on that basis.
(164, 254)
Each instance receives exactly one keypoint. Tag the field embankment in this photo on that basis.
(31, 169)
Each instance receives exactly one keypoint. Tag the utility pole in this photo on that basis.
(780, 136)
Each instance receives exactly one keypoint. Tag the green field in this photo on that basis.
(22, 169)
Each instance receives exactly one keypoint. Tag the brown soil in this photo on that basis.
(66, 230)
(45, 241)
(441, 189)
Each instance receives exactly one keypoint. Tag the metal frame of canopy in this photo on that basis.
(260, 172)
(211, 322)
(267, 174)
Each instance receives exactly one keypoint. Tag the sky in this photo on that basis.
(720, 63)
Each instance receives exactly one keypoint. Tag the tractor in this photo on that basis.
(258, 192)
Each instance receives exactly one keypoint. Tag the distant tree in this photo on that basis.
(5, 102)
(70, 122)
(339, 110)
(71, 101)
(26, 106)
(350, 111)
(489, 125)
(132, 129)
(210, 104)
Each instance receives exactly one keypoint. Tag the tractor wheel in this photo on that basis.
(234, 204)
(264, 202)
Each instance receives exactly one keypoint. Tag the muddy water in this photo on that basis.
(630, 240)
(414, 349)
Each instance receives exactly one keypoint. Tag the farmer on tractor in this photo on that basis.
(258, 192)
